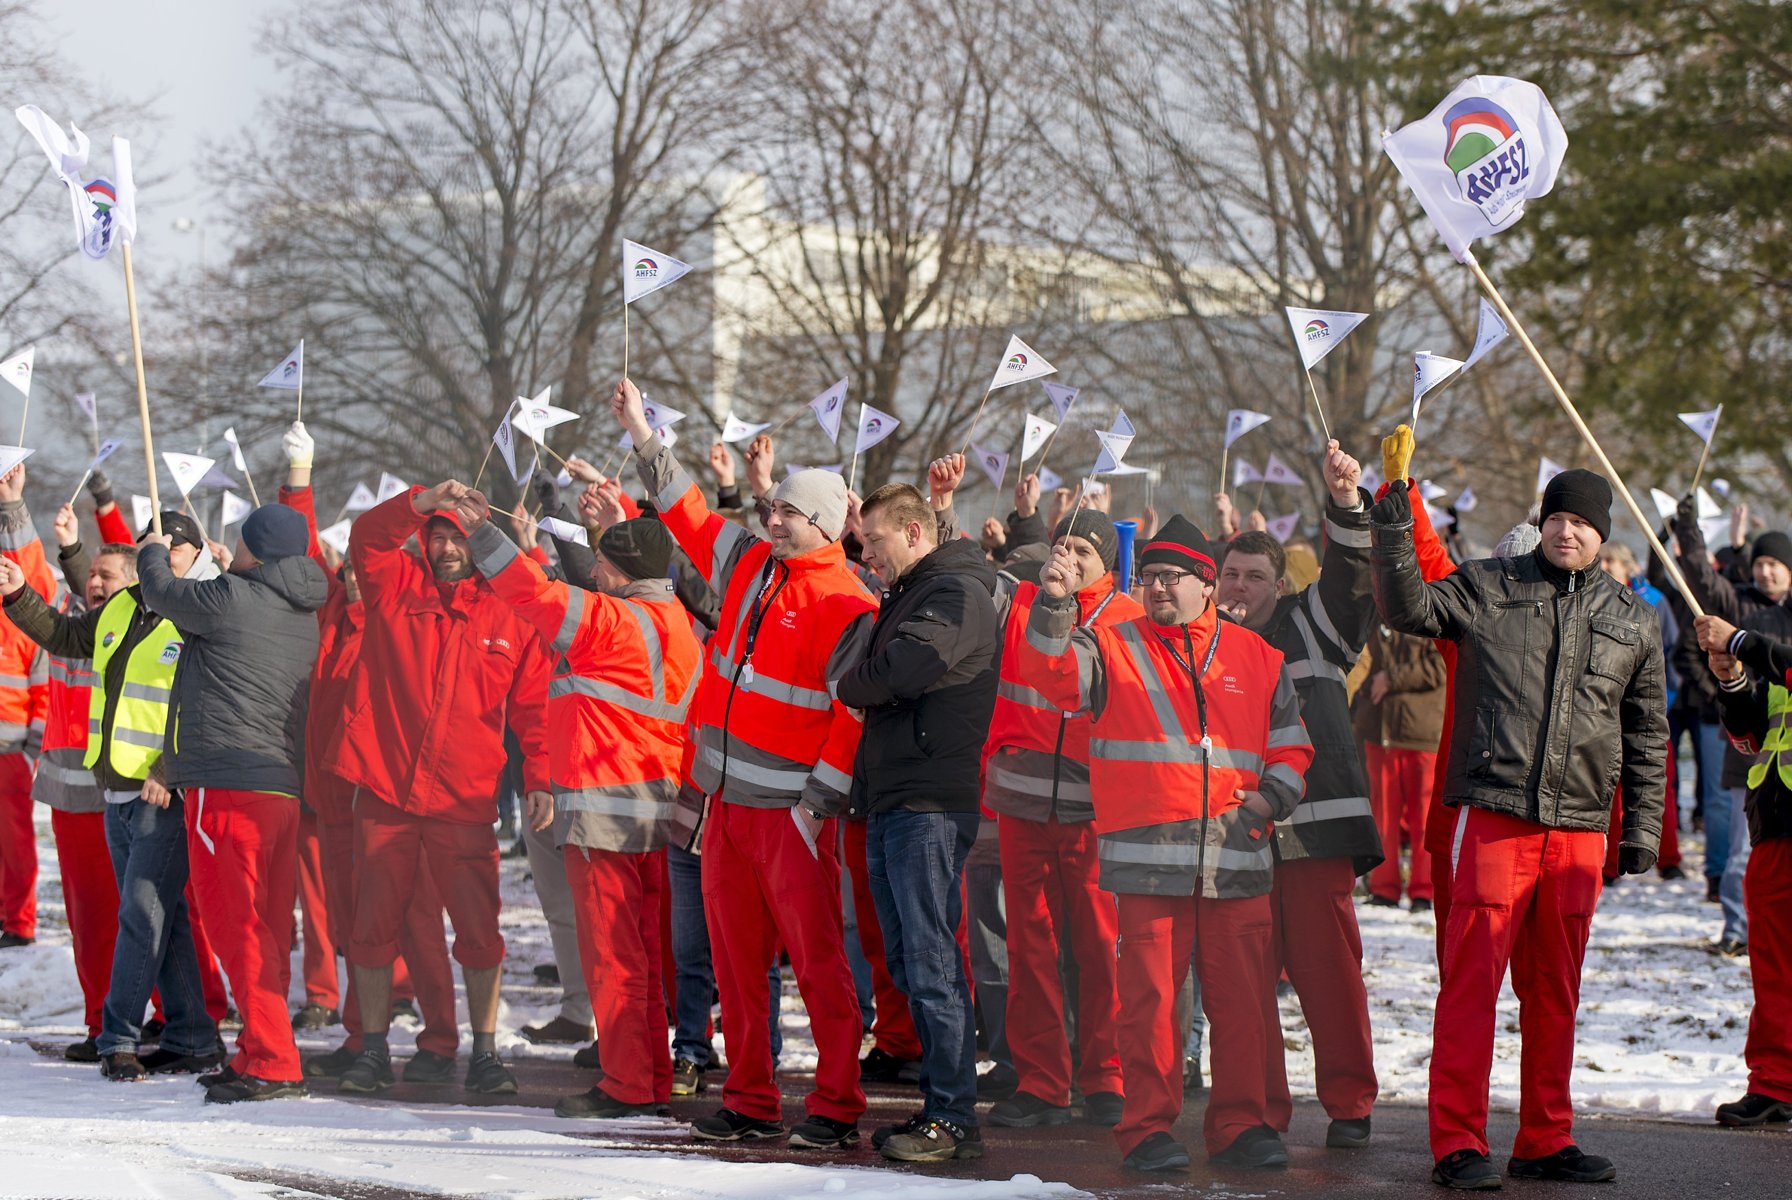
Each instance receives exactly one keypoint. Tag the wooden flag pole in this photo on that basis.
(1580, 426)
(301, 415)
(975, 417)
(149, 449)
(625, 339)
(1695, 475)
(84, 478)
(253, 494)
(1314, 392)
(1039, 468)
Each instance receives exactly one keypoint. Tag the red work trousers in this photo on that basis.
(1400, 781)
(764, 887)
(18, 848)
(242, 851)
(1767, 892)
(1317, 943)
(321, 985)
(391, 846)
(893, 1029)
(1522, 895)
(420, 939)
(90, 896)
(1157, 935)
(617, 900)
(1050, 878)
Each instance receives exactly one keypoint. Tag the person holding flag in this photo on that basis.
(24, 699)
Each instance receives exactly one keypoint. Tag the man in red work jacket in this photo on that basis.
(24, 699)
(1195, 749)
(774, 754)
(630, 666)
(444, 664)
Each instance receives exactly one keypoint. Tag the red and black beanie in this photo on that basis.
(1181, 544)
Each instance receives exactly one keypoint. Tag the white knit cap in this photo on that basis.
(818, 495)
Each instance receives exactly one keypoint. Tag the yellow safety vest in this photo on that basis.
(140, 711)
(1778, 740)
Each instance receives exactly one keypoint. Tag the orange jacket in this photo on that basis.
(1166, 767)
(768, 729)
(628, 668)
(24, 666)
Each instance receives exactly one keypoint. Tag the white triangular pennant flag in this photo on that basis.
(1277, 471)
(1062, 396)
(1020, 362)
(124, 211)
(360, 500)
(12, 456)
(1113, 450)
(665, 433)
(391, 485)
(533, 419)
(1466, 501)
(874, 427)
(1370, 479)
(187, 469)
(290, 373)
(1441, 519)
(1429, 370)
(17, 369)
(1708, 507)
(216, 478)
(1703, 423)
(1317, 331)
(1128, 469)
(104, 452)
(1243, 472)
(564, 478)
(336, 537)
(142, 511)
(646, 270)
(1122, 427)
(1037, 432)
(658, 415)
(236, 452)
(234, 509)
(1547, 470)
(735, 431)
(1490, 331)
(828, 408)
(1429, 491)
(505, 440)
(89, 406)
(1721, 487)
(1665, 504)
(1282, 528)
(566, 531)
(993, 462)
(1049, 480)
(1241, 421)
(102, 212)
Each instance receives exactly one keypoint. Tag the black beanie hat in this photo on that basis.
(1583, 493)
(640, 547)
(1094, 527)
(275, 531)
(180, 528)
(1180, 544)
(1772, 544)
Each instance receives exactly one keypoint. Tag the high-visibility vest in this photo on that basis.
(140, 710)
(1777, 742)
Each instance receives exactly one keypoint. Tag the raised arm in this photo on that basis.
(1340, 602)
(62, 634)
(196, 606)
(1059, 661)
(1406, 602)
(376, 539)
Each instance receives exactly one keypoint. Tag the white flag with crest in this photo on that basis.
(236, 452)
(1241, 421)
(1049, 480)
(89, 407)
(1466, 501)
(1721, 487)
(505, 440)
(1703, 423)
(1547, 470)
(187, 469)
(993, 462)
(646, 270)
(874, 427)
(1277, 471)
(105, 210)
(828, 408)
(390, 486)
(290, 373)
(1036, 433)
(1429, 370)
(106, 450)
(534, 418)
(1020, 362)
(1429, 491)
(336, 537)
(1062, 396)
(1490, 331)
(1243, 472)
(735, 431)
(142, 511)
(17, 369)
(12, 456)
(1113, 452)
(1665, 504)
(234, 508)
(1282, 528)
(1317, 331)
(361, 499)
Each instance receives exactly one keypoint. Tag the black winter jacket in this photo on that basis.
(1560, 688)
(237, 719)
(1766, 652)
(927, 687)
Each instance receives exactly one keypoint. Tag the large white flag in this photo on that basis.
(234, 509)
(236, 452)
(1020, 362)
(874, 427)
(187, 469)
(391, 485)
(1317, 331)
(1278, 471)
(1475, 159)
(124, 213)
(1062, 396)
(993, 462)
(1282, 528)
(1037, 431)
(360, 500)
(1243, 472)
(104, 212)
(1241, 421)
(1429, 370)
(290, 373)
(735, 431)
(1547, 470)
(1703, 423)
(646, 270)
(1490, 331)
(828, 408)
(17, 369)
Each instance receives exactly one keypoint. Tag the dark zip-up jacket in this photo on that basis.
(1765, 649)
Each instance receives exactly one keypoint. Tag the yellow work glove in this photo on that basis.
(1396, 453)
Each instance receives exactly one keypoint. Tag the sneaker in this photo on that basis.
(172, 1062)
(1466, 1171)
(406, 1010)
(1731, 948)
(933, 1140)
(687, 1078)
(881, 1067)
(547, 974)
(997, 1083)
(1025, 1110)
(1382, 902)
(1159, 1152)
(371, 1073)
(1568, 1164)
(730, 1126)
(315, 1016)
(1259, 1148)
(1673, 872)
(87, 1051)
(122, 1066)
(212, 1079)
(9, 940)
(587, 1059)
(331, 1065)
(1348, 1134)
(1420, 906)
(487, 1075)
(600, 1105)
(426, 1066)
(558, 1032)
(1754, 1109)
(247, 1087)
(823, 1133)
(884, 1133)
(1104, 1109)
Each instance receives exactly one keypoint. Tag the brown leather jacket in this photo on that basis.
(1410, 715)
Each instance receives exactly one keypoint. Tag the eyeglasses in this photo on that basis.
(1169, 579)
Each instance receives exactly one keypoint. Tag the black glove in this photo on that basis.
(1634, 860)
(547, 491)
(1686, 516)
(1393, 508)
(100, 488)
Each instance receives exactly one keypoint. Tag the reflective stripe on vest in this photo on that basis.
(140, 713)
(1777, 742)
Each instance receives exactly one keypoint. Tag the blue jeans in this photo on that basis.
(916, 864)
(155, 940)
(1729, 892)
(1714, 798)
(690, 958)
